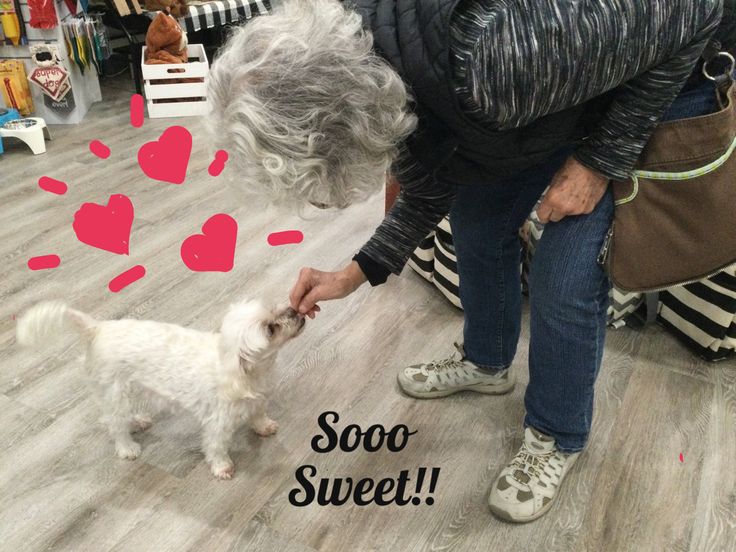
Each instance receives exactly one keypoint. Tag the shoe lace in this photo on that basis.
(450, 367)
(444, 363)
(530, 463)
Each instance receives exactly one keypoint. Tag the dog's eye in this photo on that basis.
(272, 328)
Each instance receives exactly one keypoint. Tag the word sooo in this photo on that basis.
(352, 436)
(406, 488)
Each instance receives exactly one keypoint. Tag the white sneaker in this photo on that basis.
(448, 376)
(527, 487)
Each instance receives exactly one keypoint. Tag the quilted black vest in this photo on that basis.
(414, 36)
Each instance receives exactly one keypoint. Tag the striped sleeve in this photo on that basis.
(614, 147)
(421, 205)
(517, 61)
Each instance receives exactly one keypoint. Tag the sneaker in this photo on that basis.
(527, 487)
(448, 376)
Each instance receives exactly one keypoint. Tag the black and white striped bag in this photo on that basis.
(703, 315)
(435, 260)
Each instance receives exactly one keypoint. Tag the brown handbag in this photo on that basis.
(675, 219)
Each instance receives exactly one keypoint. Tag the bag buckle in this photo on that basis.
(728, 71)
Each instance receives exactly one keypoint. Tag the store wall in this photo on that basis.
(86, 87)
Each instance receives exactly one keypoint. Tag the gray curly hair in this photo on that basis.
(306, 110)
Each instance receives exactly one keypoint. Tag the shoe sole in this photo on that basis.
(504, 515)
(484, 389)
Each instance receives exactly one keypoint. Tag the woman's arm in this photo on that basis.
(614, 147)
(420, 206)
(422, 203)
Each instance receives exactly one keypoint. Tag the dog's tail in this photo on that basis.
(49, 320)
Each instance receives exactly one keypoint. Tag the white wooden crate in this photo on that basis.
(162, 91)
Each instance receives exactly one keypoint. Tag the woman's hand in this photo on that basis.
(315, 285)
(575, 190)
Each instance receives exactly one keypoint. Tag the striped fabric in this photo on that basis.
(622, 303)
(703, 315)
(522, 59)
(435, 261)
(222, 12)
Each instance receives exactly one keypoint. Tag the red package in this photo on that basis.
(43, 14)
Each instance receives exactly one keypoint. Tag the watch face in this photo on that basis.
(19, 124)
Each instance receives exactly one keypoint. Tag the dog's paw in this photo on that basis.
(266, 427)
(128, 451)
(223, 470)
(140, 423)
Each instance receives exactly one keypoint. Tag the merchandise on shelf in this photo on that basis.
(16, 93)
(43, 14)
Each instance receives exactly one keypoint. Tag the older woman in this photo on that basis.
(507, 98)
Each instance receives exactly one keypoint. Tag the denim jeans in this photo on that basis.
(568, 289)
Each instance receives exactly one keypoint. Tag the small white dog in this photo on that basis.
(222, 378)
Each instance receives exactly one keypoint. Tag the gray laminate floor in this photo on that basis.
(61, 488)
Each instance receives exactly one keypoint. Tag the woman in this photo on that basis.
(507, 98)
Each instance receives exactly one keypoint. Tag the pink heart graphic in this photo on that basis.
(167, 158)
(105, 226)
(214, 249)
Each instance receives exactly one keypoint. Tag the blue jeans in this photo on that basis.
(568, 289)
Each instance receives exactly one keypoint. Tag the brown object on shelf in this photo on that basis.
(166, 42)
(177, 8)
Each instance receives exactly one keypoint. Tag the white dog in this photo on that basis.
(220, 377)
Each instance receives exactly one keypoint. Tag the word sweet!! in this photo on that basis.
(404, 489)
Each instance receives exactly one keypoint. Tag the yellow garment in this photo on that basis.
(11, 27)
(14, 85)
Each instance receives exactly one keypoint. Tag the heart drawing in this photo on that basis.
(167, 158)
(105, 226)
(214, 249)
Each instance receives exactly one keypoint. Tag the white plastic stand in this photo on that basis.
(30, 130)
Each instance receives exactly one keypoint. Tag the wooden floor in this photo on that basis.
(61, 487)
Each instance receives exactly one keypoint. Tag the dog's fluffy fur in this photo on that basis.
(220, 377)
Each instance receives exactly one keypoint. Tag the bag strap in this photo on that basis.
(684, 175)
